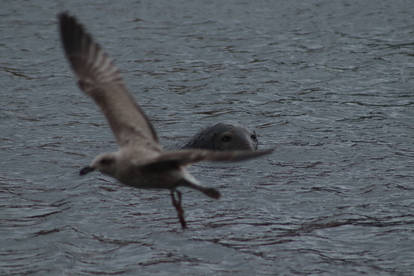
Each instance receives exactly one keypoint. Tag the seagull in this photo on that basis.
(140, 161)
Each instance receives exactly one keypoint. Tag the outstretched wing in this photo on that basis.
(168, 160)
(100, 79)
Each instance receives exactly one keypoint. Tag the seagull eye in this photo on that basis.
(226, 138)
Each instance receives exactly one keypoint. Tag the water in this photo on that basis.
(328, 83)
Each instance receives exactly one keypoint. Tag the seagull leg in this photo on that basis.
(177, 204)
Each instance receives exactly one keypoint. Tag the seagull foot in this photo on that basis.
(177, 204)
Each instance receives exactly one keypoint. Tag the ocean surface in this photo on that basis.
(328, 83)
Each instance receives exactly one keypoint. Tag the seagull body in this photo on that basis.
(140, 161)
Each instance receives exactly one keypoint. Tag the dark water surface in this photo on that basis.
(328, 83)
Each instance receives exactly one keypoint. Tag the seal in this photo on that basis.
(224, 137)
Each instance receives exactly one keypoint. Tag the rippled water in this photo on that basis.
(328, 83)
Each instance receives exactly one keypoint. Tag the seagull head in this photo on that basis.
(105, 163)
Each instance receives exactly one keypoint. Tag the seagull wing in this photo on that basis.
(100, 79)
(168, 160)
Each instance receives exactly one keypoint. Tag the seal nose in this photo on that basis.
(86, 170)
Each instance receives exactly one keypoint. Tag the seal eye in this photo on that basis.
(226, 138)
(106, 161)
(253, 137)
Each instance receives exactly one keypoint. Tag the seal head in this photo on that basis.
(224, 137)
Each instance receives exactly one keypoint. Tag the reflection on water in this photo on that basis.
(328, 83)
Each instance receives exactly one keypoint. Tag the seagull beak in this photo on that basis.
(86, 170)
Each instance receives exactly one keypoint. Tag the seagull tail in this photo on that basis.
(189, 181)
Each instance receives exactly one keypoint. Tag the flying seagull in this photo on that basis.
(140, 161)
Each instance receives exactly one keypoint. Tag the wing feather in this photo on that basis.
(175, 159)
(100, 79)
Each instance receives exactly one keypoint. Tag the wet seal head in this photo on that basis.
(223, 137)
